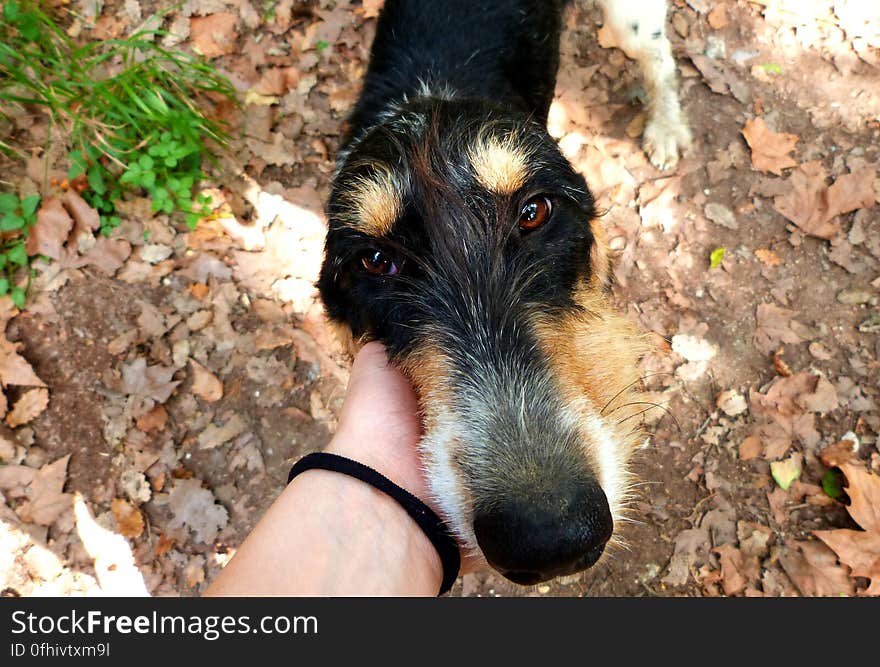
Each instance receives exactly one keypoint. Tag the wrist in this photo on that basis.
(377, 548)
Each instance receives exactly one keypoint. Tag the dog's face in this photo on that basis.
(462, 239)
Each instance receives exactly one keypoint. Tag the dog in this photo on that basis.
(462, 239)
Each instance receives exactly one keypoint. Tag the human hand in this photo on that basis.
(380, 427)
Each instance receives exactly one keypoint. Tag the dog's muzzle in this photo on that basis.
(543, 535)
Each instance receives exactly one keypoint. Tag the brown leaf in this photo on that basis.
(147, 385)
(863, 490)
(768, 257)
(770, 150)
(750, 448)
(14, 369)
(814, 570)
(86, 218)
(850, 192)
(46, 500)
(773, 328)
(721, 77)
(812, 205)
(163, 544)
(371, 8)
(775, 439)
(780, 365)
(196, 508)
(48, 234)
(717, 18)
(154, 420)
(823, 399)
(107, 255)
(213, 35)
(29, 406)
(129, 518)
(858, 549)
(737, 570)
(205, 383)
(838, 453)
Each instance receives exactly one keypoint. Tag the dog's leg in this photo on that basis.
(638, 28)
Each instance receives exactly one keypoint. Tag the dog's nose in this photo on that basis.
(535, 537)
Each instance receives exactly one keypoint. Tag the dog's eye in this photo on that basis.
(379, 263)
(535, 213)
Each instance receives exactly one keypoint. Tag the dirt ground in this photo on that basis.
(187, 370)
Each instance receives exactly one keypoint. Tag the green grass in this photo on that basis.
(16, 215)
(127, 110)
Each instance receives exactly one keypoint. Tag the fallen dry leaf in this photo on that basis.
(154, 420)
(48, 234)
(194, 507)
(859, 549)
(213, 35)
(737, 569)
(785, 472)
(750, 448)
(770, 150)
(86, 219)
(717, 18)
(26, 408)
(205, 383)
(14, 369)
(814, 570)
(128, 517)
(768, 257)
(774, 328)
(214, 436)
(107, 255)
(838, 453)
(721, 77)
(46, 499)
(813, 205)
(822, 399)
(371, 8)
(146, 385)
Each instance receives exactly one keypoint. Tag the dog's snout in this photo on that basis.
(532, 539)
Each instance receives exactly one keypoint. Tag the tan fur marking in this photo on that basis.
(501, 165)
(375, 203)
(426, 369)
(593, 355)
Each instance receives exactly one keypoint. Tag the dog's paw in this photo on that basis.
(665, 140)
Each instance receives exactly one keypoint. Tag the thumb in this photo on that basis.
(379, 424)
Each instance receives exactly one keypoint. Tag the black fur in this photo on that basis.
(456, 242)
(444, 77)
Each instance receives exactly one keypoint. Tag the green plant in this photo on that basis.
(126, 108)
(16, 217)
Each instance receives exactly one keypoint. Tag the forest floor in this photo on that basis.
(186, 370)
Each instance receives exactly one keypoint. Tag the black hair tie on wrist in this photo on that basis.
(424, 516)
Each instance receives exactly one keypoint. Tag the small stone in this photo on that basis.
(715, 47)
(721, 215)
(42, 563)
(136, 487)
(199, 320)
(731, 403)
(693, 348)
(854, 297)
(871, 325)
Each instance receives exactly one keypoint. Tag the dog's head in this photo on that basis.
(462, 239)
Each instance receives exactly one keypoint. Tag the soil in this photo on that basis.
(697, 493)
